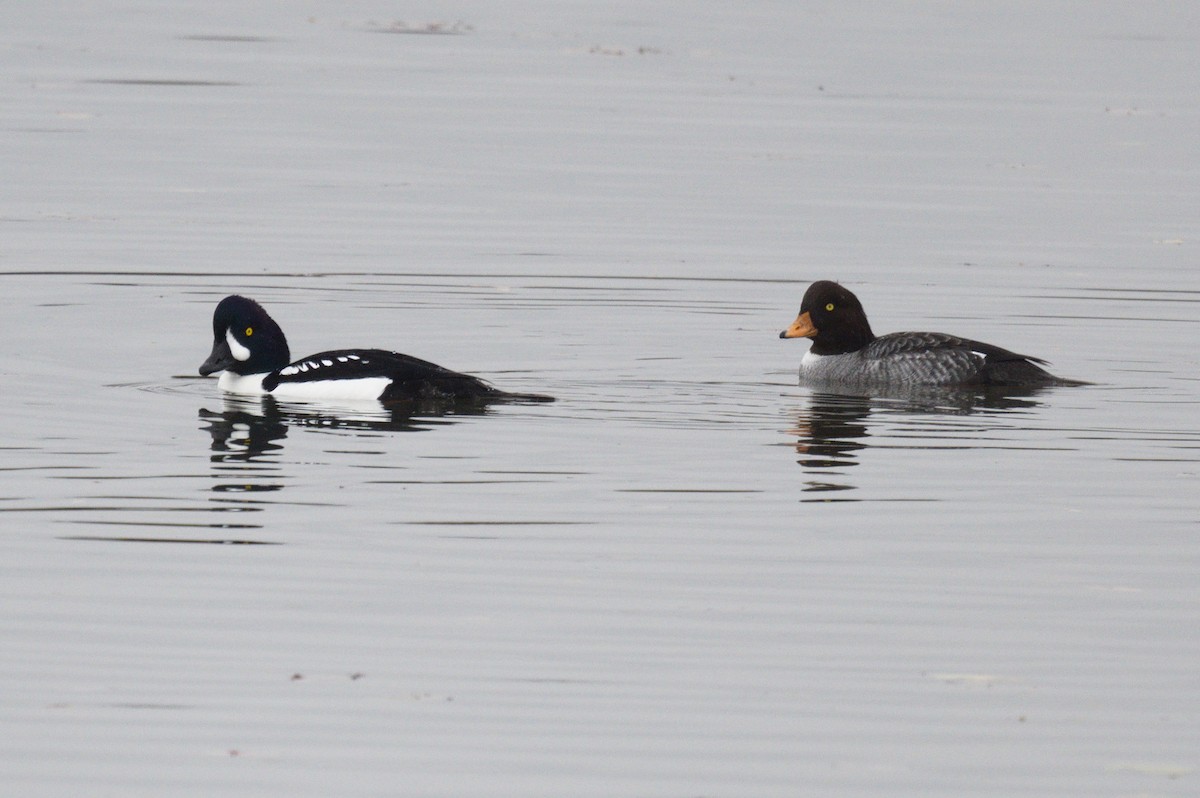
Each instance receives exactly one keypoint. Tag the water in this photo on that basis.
(687, 576)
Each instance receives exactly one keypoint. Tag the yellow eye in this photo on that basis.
(249, 331)
(827, 307)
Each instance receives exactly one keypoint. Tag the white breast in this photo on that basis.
(249, 385)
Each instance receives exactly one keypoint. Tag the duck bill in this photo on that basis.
(220, 359)
(802, 327)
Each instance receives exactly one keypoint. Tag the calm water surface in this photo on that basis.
(687, 576)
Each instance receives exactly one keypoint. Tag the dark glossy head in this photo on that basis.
(833, 318)
(245, 339)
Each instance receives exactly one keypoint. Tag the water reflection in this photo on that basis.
(248, 434)
(251, 430)
(831, 430)
(834, 429)
(244, 434)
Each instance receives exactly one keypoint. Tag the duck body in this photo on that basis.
(252, 354)
(846, 353)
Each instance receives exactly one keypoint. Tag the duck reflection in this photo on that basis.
(248, 433)
(243, 433)
(834, 429)
(829, 433)
(251, 429)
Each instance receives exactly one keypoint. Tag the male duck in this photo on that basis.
(252, 353)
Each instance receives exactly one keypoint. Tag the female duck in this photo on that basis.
(845, 351)
(252, 353)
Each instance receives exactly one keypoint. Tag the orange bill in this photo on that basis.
(802, 327)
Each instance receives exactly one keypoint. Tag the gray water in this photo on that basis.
(688, 576)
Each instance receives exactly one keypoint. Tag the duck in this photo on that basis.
(251, 352)
(845, 352)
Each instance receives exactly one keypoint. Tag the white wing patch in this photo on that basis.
(312, 365)
(317, 388)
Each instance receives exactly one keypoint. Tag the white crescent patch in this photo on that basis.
(238, 351)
